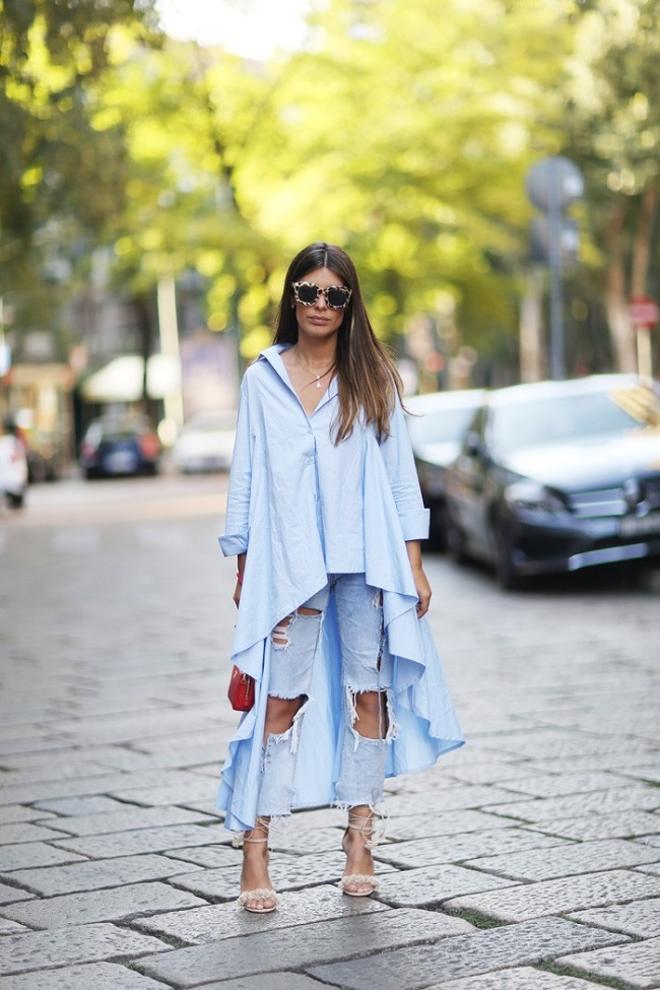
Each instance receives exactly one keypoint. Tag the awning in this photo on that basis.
(121, 379)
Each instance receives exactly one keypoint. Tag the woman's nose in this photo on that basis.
(320, 301)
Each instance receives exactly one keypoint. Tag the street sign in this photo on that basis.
(554, 181)
(643, 312)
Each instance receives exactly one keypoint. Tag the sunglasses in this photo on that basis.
(307, 293)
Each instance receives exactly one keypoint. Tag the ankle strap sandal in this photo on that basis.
(364, 825)
(248, 898)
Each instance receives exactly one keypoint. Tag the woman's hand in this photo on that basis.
(423, 591)
(236, 597)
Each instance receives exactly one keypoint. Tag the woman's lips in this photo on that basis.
(318, 320)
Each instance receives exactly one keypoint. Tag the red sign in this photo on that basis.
(643, 312)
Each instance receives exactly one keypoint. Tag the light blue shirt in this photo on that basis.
(303, 508)
(308, 468)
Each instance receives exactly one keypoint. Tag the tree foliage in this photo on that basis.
(401, 131)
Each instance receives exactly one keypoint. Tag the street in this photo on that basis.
(529, 859)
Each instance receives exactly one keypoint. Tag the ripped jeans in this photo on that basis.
(366, 667)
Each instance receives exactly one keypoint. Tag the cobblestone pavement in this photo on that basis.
(527, 860)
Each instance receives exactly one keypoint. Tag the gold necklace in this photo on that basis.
(317, 380)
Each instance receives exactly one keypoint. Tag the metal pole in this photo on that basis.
(557, 357)
(644, 356)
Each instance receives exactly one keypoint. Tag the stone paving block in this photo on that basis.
(128, 728)
(554, 743)
(637, 797)
(286, 873)
(20, 855)
(10, 894)
(556, 785)
(515, 903)
(8, 927)
(212, 857)
(84, 943)
(520, 978)
(447, 799)
(293, 948)
(130, 818)
(560, 861)
(97, 804)
(299, 907)
(206, 806)
(638, 963)
(433, 884)
(10, 813)
(308, 840)
(453, 848)
(195, 789)
(650, 773)
(613, 825)
(87, 976)
(491, 949)
(651, 868)
(635, 918)
(491, 772)
(37, 792)
(276, 981)
(53, 770)
(603, 761)
(650, 840)
(443, 823)
(90, 875)
(26, 832)
(102, 783)
(42, 743)
(143, 840)
(101, 905)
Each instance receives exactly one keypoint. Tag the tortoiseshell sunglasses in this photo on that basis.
(336, 296)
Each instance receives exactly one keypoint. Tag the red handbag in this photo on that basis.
(241, 690)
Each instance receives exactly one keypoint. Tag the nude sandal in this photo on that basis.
(248, 897)
(364, 825)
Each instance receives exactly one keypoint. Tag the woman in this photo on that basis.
(325, 514)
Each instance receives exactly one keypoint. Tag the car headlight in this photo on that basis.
(532, 495)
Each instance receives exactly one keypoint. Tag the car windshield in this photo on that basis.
(440, 425)
(570, 417)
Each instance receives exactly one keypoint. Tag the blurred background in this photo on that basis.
(491, 166)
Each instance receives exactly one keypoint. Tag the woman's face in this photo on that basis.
(319, 320)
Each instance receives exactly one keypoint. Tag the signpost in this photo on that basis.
(553, 184)
(644, 316)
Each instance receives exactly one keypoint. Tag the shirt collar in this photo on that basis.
(272, 355)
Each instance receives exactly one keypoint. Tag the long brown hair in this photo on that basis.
(366, 373)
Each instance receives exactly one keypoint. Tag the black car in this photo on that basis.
(557, 476)
(436, 429)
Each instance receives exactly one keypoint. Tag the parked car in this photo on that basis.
(119, 445)
(13, 466)
(205, 442)
(436, 437)
(557, 476)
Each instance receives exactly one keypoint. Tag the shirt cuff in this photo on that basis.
(233, 544)
(416, 525)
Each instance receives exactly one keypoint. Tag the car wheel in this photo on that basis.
(505, 569)
(438, 527)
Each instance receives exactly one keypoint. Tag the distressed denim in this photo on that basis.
(366, 666)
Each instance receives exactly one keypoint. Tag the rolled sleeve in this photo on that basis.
(237, 518)
(399, 460)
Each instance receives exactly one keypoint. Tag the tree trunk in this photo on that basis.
(643, 240)
(616, 301)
